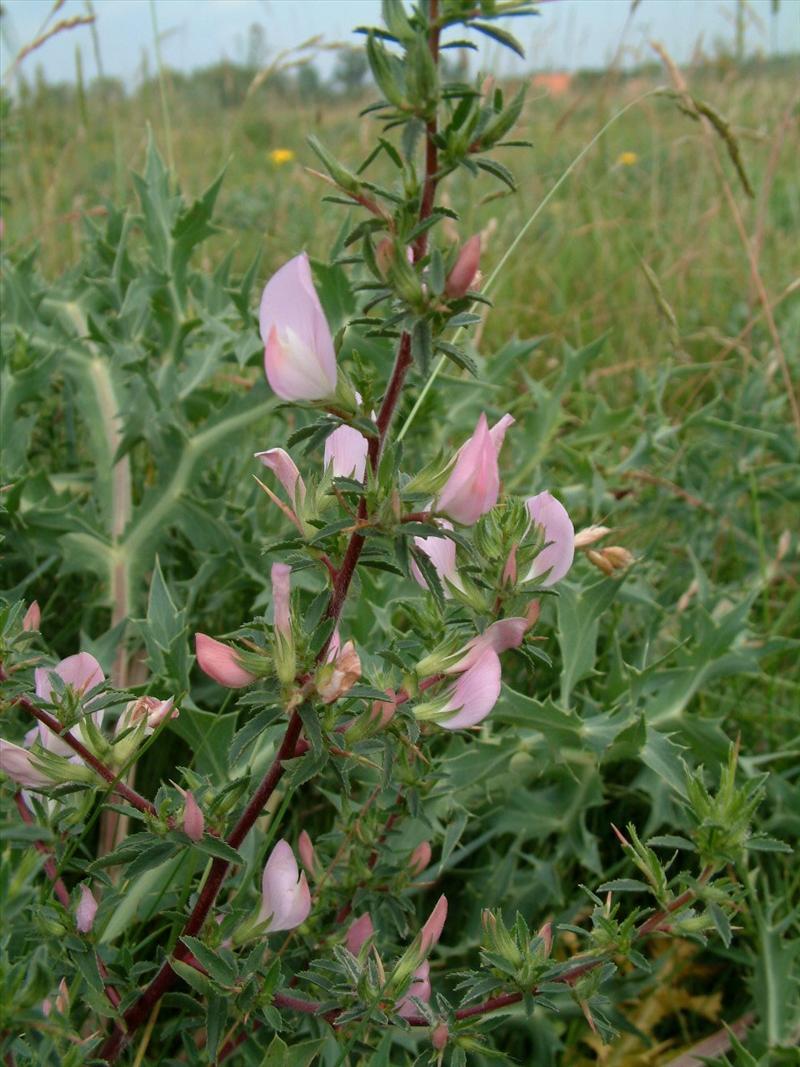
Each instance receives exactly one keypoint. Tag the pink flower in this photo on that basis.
(358, 932)
(463, 273)
(477, 689)
(420, 858)
(339, 674)
(285, 896)
(299, 359)
(474, 483)
(555, 559)
(441, 551)
(285, 469)
(150, 709)
(17, 764)
(80, 673)
(346, 450)
(33, 617)
(382, 711)
(86, 910)
(281, 597)
(420, 989)
(432, 930)
(220, 662)
(194, 822)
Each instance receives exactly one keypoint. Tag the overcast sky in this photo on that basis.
(568, 34)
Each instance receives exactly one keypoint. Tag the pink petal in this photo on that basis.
(305, 847)
(499, 637)
(461, 276)
(347, 449)
(432, 930)
(420, 989)
(474, 483)
(285, 470)
(16, 763)
(475, 693)
(33, 617)
(193, 820)
(281, 595)
(86, 910)
(299, 358)
(81, 672)
(498, 431)
(555, 559)
(358, 933)
(220, 662)
(420, 858)
(284, 896)
(441, 551)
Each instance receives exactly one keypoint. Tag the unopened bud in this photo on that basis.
(308, 856)
(62, 1000)
(336, 679)
(510, 569)
(358, 933)
(546, 934)
(533, 613)
(420, 858)
(382, 711)
(463, 273)
(194, 822)
(384, 254)
(86, 910)
(33, 617)
(591, 535)
(439, 1036)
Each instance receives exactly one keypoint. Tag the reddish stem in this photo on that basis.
(50, 868)
(120, 788)
(136, 1015)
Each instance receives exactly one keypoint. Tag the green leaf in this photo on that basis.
(219, 969)
(192, 977)
(279, 1054)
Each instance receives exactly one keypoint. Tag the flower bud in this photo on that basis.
(193, 819)
(359, 933)
(382, 711)
(510, 568)
(432, 930)
(308, 856)
(419, 858)
(299, 357)
(221, 663)
(463, 273)
(336, 678)
(86, 910)
(62, 999)
(33, 617)
(440, 1036)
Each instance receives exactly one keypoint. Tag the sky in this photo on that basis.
(569, 34)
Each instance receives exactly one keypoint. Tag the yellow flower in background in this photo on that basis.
(627, 159)
(279, 156)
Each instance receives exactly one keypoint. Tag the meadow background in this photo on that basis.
(680, 431)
